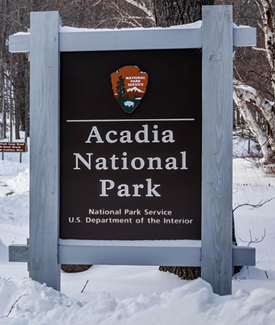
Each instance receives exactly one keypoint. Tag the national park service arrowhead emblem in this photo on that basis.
(129, 86)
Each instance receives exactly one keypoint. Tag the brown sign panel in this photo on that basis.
(131, 175)
(13, 147)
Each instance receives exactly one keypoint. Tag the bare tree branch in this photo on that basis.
(260, 49)
(254, 206)
(16, 301)
(256, 240)
(143, 7)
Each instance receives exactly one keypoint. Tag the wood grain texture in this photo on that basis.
(94, 40)
(147, 39)
(44, 148)
(118, 255)
(243, 36)
(186, 256)
(19, 43)
(217, 148)
(18, 253)
(131, 255)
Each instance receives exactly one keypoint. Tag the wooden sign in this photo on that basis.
(156, 168)
(131, 173)
(13, 147)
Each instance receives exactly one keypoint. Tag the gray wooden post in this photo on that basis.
(217, 74)
(44, 149)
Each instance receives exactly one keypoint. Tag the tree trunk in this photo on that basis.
(68, 268)
(17, 122)
(244, 94)
(4, 122)
(177, 12)
(254, 127)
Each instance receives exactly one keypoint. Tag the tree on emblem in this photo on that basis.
(120, 87)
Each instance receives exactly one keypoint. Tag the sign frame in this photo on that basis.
(45, 252)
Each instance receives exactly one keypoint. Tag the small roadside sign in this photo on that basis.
(13, 147)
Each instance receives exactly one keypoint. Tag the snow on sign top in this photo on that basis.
(67, 29)
(84, 39)
(195, 25)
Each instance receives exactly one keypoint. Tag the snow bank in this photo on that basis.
(28, 303)
(245, 148)
(11, 168)
(248, 178)
(15, 206)
(15, 209)
(20, 183)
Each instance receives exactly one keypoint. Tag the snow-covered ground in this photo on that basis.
(139, 295)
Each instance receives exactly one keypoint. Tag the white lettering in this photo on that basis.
(85, 162)
(101, 163)
(144, 133)
(104, 186)
(171, 163)
(183, 160)
(155, 134)
(167, 136)
(123, 190)
(94, 134)
(108, 139)
(141, 163)
(125, 137)
(151, 191)
(151, 161)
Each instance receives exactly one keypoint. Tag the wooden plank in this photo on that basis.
(244, 36)
(119, 255)
(145, 255)
(19, 43)
(18, 253)
(131, 39)
(244, 256)
(217, 114)
(44, 148)
(94, 40)
(112, 255)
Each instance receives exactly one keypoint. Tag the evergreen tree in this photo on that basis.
(120, 87)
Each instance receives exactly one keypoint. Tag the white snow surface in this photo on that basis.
(196, 25)
(140, 294)
(68, 29)
(193, 303)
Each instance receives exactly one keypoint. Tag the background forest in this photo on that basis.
(254, 68)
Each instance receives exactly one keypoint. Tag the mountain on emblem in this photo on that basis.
(129, 86)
